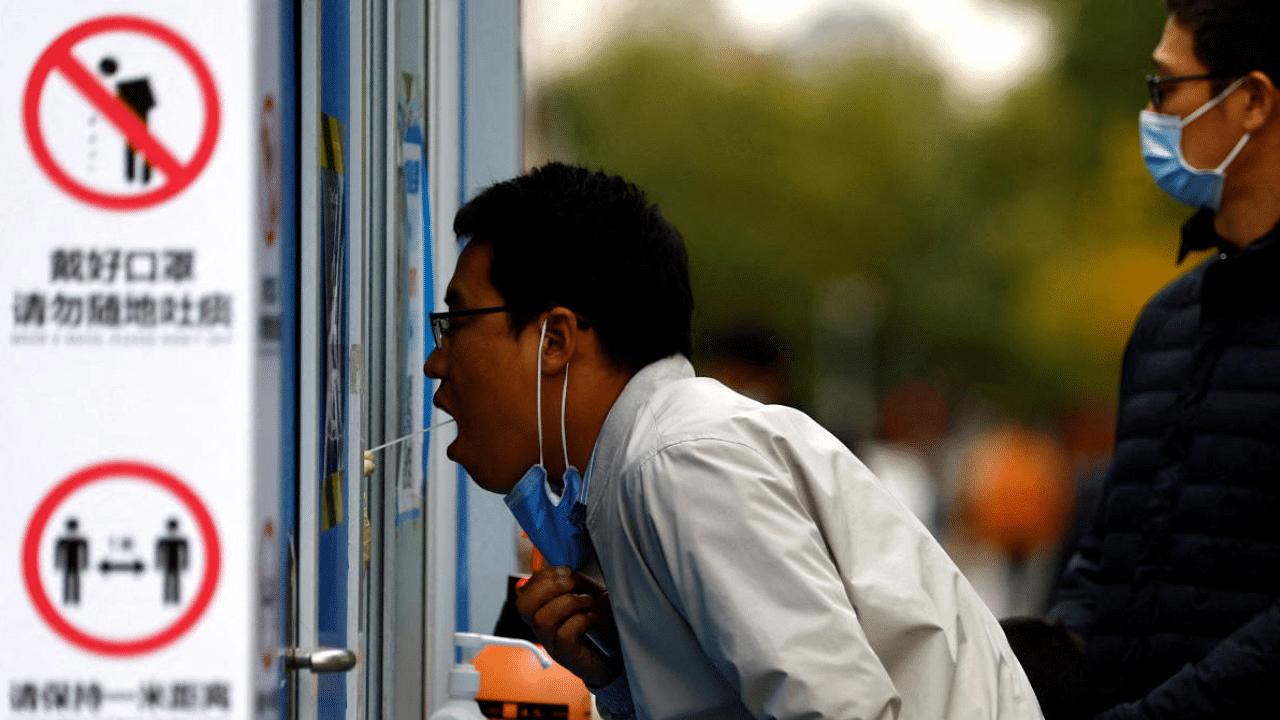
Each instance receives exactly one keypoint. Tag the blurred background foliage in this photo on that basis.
(885, 230)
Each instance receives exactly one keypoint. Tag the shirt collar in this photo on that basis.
(1198, 234)
(608, 454)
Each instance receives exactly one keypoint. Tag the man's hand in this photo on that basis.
(561, 606)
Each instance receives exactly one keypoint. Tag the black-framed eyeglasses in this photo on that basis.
(1154, 83)
(441, 321)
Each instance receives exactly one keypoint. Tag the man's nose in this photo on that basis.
(432, 367)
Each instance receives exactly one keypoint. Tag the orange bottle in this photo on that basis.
(514, 685)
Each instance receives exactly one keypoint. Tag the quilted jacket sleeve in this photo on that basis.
(1234, 680)
(1075, 599)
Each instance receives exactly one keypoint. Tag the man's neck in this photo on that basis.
(1249, 217)
(591, 397)
(1251, 201)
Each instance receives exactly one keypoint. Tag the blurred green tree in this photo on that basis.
(1011, 251)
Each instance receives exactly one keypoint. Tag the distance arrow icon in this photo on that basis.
(136, 567)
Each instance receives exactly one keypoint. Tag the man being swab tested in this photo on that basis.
(709, 556)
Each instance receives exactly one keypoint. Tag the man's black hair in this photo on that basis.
(564, 236)
(1232, 37)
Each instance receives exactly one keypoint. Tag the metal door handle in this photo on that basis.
(320, 660)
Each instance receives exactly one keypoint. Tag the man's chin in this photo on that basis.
(476, 470)
(456, 454)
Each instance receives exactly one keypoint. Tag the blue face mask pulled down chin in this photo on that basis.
(1162, 152)
(555, 523)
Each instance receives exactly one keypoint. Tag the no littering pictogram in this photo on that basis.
(121, 558)
(112, 67)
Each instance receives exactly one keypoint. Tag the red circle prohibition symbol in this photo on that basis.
(178, 175)
(130, 471)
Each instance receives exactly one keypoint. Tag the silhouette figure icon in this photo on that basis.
(71, 556)
(135, 94)
(171, 559)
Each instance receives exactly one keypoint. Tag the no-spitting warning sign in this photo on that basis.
(150, 105)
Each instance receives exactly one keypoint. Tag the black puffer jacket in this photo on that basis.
(1176, 588)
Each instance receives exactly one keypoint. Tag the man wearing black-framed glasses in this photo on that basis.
(441, 322)
(1174, 589)
(754, 567)
(1157, 83)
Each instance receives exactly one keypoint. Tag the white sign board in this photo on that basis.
(138, 531)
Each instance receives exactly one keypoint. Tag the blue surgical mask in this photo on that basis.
(1162, 151)
(555, 522)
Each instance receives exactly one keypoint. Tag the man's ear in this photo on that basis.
(1261, 107)
(563, 339)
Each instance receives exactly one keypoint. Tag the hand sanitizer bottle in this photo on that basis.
(464, 679)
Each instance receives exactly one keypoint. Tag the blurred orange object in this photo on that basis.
(1019, 492)
(514, 685)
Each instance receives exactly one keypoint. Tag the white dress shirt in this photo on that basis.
(757, 569)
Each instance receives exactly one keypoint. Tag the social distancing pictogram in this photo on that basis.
(121, 112)
(121, 558)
